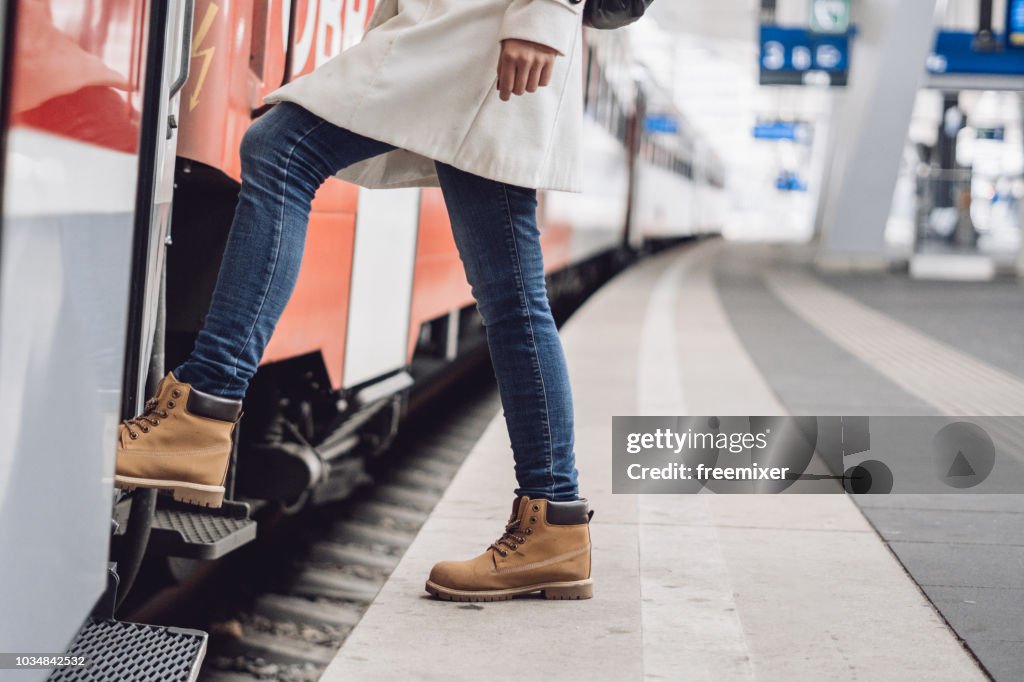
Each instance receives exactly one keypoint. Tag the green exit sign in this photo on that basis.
(829, 16)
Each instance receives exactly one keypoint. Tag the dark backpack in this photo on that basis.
(609, 14)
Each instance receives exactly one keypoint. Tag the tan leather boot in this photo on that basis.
(181, 442)
(545, 548)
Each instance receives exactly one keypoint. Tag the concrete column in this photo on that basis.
(825, 155)
(1020, 207)
(894, 38)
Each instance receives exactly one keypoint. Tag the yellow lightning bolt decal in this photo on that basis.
(206, 54)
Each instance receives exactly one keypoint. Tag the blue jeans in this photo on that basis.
(286, 155)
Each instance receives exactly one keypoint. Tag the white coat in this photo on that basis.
(424, 79)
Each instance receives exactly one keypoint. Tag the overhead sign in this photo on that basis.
(996, 134)
(789, 56)
(829, 16)
(955, 53)
(789, 181)
(661, 124)
(1015, 23)
(795, 131)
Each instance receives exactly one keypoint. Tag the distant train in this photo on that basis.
(121, 127)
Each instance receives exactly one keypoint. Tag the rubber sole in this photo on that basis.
(577, 589)
(183, 491)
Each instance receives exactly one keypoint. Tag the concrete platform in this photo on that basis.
(686, 587)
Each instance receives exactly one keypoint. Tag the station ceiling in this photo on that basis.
(730, 19)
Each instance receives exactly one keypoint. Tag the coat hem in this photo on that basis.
(428, 179)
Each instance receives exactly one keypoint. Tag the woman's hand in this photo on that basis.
(523, 67)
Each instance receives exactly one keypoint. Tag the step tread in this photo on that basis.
(200, 533)
(118, 650)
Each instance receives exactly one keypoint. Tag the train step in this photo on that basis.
(192, 532)
(133, 652)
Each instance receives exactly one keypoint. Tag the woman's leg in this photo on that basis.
(495, 228)
(182, 441)
(286, 155)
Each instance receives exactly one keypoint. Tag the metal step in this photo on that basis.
(192, 532)
(115, 650)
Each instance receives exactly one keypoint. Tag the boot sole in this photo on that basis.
(576, 589)
(183, 491)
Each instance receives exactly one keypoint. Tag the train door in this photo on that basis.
(72, 94)
(169, 57)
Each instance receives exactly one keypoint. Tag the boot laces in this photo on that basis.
(144, 421)
(511, 539)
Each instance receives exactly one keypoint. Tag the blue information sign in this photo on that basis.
(1015, 23)
(661, 124)
(955, 53)
(796, 131)
(788, 54)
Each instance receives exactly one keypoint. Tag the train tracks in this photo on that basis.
(288, 604)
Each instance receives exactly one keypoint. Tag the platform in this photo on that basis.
(741, 587)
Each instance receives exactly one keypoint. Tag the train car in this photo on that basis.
(121, 127)
(711, 201)
(596, 220)
(678, 187)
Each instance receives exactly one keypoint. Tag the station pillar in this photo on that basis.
(893, 40)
